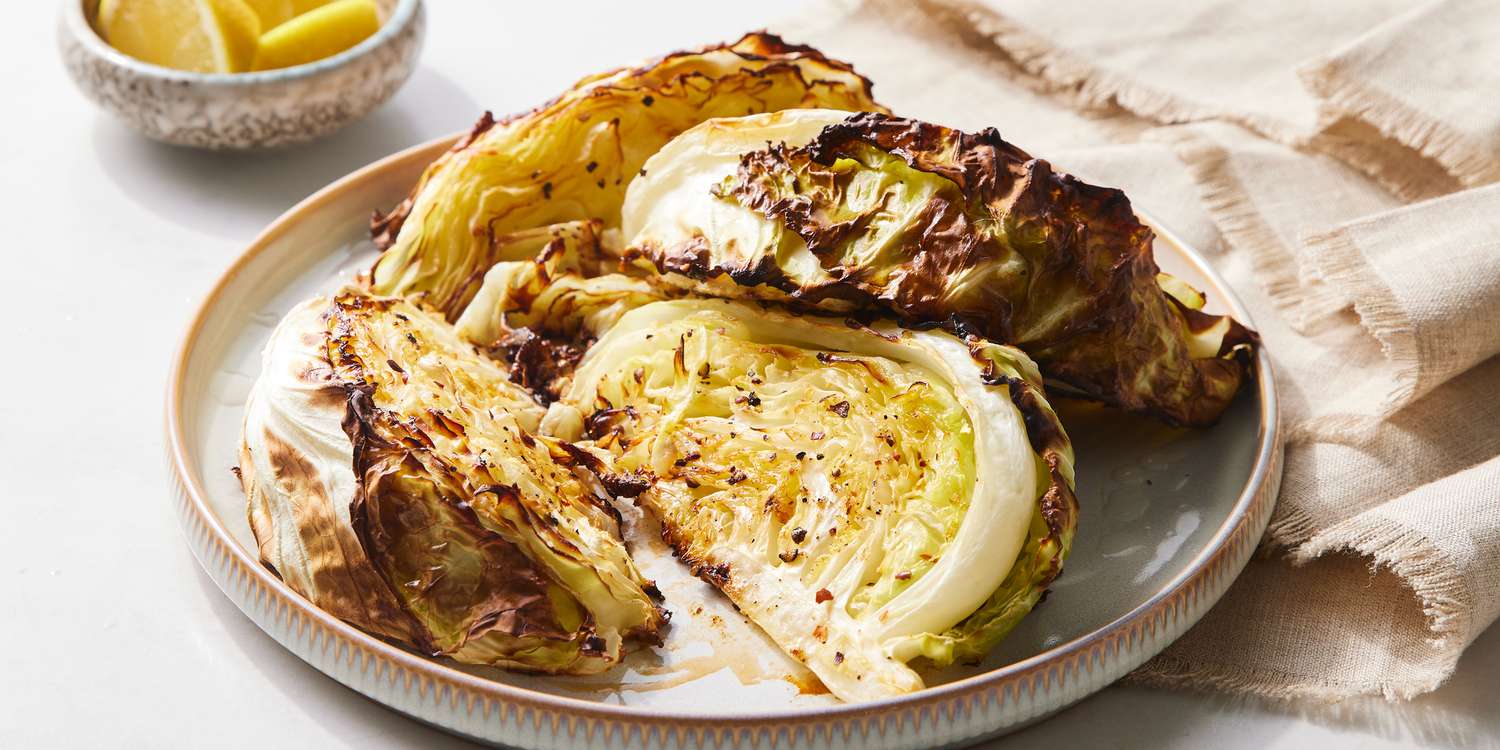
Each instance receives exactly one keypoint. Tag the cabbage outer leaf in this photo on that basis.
(395, 479)
(845, 213)
(573, 158)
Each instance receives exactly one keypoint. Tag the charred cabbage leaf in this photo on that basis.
(395, 478)
(540, 315)
(867, 495)
(572, 159)
(841, 213)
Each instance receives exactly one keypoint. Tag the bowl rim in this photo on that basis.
(402, 16)
(1232, 543)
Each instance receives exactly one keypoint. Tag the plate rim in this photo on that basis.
(1245, 523)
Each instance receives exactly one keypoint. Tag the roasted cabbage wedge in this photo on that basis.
(572, 159)
(396, 479)
(851, 213)
(867, 495)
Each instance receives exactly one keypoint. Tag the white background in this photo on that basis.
(110, 635)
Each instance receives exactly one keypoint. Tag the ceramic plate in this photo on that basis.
(1169, 518)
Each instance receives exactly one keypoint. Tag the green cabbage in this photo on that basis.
(396, 478)
(573, 158)
(789, 332)
(866, 495)
(842, 213)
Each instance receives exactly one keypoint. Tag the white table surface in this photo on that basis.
(113, 636)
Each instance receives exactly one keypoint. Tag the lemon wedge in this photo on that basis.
(302, 6)
(204, 36)
(321, 32)
(273, 13)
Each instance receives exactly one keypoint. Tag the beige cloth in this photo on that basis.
(1427, 81)
(1252, 130)
(1393, 87)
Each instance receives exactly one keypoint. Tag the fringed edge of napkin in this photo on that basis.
(1174, 673)
(1400, 170)
(1346, 96)
(1327, 275)
(1335, 258)
(1064, 73)
(1275, 265)
(1435, 584)
(1452, 159)
(1439, 588)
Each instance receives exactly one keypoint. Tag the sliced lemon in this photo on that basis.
(318, 33)
(204, 36)
(302, 6)
(273, 13)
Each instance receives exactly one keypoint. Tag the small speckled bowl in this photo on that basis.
(243, 110)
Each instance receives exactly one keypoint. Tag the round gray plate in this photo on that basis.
(1169, 518)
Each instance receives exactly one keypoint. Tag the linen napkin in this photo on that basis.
(1391, 86)
(1427, 81)
(1391, 460)
(1242, 127)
